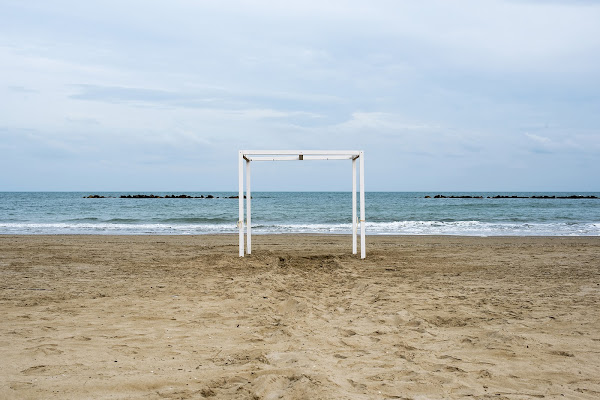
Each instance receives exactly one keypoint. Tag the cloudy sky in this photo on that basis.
(160, 95)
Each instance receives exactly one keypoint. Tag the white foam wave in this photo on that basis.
(460, 228)
(477, 228)
(116, 229)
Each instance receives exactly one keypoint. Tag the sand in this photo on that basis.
(183, 317)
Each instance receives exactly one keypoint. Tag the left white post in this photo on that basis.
(248, 210)
(240, 222)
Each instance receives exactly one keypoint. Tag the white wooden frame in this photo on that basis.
(294, 155)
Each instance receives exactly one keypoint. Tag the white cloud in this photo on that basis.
(381, 121)
(582, 144)
(539, 139)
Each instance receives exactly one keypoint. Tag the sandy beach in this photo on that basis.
(183, 317)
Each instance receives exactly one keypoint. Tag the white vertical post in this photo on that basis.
(249, 210)
(354, 206)
(240, 222)
(362, 205)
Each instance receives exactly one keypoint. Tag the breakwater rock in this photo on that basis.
(441, 196)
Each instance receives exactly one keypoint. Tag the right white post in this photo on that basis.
(363, 253)
(354, 206)
(248, 210)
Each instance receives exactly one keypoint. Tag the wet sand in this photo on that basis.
(183, 317)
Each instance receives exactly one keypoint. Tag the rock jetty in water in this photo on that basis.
(441, 196)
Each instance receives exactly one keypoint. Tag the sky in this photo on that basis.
(496, 95)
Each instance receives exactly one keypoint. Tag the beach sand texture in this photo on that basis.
(183, 317)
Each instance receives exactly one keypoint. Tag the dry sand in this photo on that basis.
(178, 317)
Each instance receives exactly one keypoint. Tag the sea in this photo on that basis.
(387, 213)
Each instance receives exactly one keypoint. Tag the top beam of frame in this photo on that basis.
(299, 157)
(348, 153)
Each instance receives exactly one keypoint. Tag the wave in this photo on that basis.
(477, 228)
(194, 220)
(458, 228)
(174, 220)
(79, 220)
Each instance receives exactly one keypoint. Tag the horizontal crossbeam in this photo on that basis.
(250, 153)
(299, 157)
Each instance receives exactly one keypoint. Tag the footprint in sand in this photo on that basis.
(45, 349)
(347, 332)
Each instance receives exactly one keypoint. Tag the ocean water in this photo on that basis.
(387, 213)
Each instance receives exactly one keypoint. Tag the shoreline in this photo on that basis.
(182, 316)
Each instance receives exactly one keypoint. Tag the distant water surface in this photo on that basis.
(396, 213)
